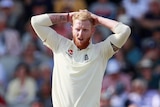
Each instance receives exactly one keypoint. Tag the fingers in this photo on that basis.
(94, 16)
(83, 10)
(70, 16)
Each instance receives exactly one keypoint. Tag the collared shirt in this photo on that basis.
(77, 74)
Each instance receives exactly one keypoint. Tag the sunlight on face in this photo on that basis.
(82, 32)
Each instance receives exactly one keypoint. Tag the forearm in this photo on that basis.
(41, 23)
(59, 17)
(108, 23)
(120, 30)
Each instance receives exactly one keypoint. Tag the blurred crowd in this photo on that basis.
(132, 76)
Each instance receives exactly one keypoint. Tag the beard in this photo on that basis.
(81, 44)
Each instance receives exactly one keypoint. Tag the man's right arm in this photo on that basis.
(41, 25)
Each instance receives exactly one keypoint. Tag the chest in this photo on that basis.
(80, 56)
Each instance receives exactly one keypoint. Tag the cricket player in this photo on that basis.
(79, 65)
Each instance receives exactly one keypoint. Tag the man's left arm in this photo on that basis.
(121, 31)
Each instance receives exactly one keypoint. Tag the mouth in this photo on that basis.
(80, 39)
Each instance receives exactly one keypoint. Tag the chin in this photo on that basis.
(81, 44)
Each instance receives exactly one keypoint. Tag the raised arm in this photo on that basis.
(121, 31)
(41, 25)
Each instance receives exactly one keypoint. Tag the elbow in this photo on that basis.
(32, 20)
(122, 29)
(128, 30)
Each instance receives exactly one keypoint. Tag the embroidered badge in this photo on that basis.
(70, 52)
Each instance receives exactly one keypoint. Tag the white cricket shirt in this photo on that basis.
(77, 74)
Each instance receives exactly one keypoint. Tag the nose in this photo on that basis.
(80, 34)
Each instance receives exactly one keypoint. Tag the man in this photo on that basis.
(79, 64)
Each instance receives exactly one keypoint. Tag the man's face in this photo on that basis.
(82, 32)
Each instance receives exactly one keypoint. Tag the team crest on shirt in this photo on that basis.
(86, 57)
(70, 52)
